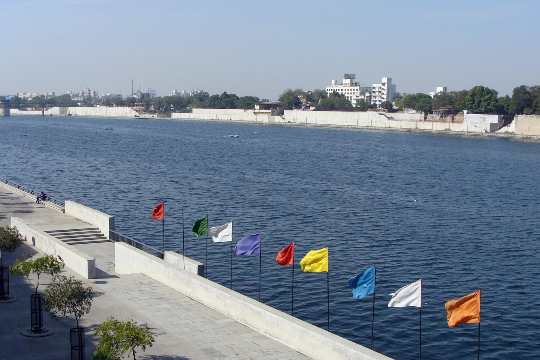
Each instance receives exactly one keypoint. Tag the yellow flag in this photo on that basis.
(315, 261)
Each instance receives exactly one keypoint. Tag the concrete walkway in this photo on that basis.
(184, 329)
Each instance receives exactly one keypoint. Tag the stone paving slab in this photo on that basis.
(185, 328)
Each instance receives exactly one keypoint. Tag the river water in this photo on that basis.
(460, 213)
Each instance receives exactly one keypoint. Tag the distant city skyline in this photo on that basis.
(261, 50)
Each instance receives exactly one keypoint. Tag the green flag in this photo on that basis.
(200, 228)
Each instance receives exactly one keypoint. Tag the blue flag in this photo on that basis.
(363, 284)
(248, 246)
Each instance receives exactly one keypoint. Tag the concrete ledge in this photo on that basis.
(178, 261)
(103, 221)
(296, 334)
(73, 258)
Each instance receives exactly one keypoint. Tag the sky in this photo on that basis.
(261, 48)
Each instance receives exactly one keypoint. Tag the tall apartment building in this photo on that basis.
(375, 94)
(349, 88)
(384, 91)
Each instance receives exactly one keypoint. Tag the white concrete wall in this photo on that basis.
(482, 123)
(73, 258)
(179, 261)
(527, 125)
(298, 335)
(102, 221)
(228, 115)
(101, 111)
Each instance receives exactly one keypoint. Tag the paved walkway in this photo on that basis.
(184, 328)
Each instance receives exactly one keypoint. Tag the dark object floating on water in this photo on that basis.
(109, 129)
(234, 136)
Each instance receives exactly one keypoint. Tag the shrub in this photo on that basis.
(68, 297)
(118, 338)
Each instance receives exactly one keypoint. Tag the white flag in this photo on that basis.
(409, 295)
(222, 233)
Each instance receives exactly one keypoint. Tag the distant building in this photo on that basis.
(438, 90)
(384, 91)
(349, 88)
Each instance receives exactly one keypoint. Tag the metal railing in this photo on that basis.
(115, 236)
(32, 193)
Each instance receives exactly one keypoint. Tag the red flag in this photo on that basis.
(285, 256)
(159, 211)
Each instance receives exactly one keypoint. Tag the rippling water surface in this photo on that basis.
(460, 213)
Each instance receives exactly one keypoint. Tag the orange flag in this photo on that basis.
(465, 310)
(159, 211)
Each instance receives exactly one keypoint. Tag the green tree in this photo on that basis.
(443, 100)
(247, 102)
(42, 265)
(481, 100)
(408, 101)
(535, 93)
(117, 338)
(336, 102)
(68, 297)
(521, 100)
(423, 103)
(291, 99)
(361, 105)
(10, 239)
(504, 103)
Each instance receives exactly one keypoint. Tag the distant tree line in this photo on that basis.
(479, 100)
(161, 104)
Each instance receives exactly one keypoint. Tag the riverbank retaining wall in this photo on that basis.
(98, 111)
(297, 334)
(74, 259)
(527, 125)
(473, 123)
(104, 222)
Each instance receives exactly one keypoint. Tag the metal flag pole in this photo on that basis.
(420, 339)
(478, 353)
(373, 317)
(183, 241)
(163, 230)
(260, 267)
(206, 251)
(328, 297)
(231, 251)
(292, 284)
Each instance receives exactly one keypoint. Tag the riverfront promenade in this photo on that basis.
(184, 328)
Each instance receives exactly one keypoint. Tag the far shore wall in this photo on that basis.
(527, 125)
(101, 111)
(472, 123)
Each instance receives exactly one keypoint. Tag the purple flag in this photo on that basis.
(248, 246)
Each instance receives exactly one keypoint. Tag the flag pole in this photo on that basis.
(420, 342)
(478, 353)
(328, 297)
(231, 251)
(183, 240)
(292, 285)
(206, 250)
(163, 230)
(260, 267)
(373, 318)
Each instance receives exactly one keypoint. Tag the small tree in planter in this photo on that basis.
(10, 239)
(50, 265)
(69, 297)
(118, 338)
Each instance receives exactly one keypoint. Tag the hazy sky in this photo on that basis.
(262, 47)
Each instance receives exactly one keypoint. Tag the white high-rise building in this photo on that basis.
(438, 90)
(349, 88)
(384, 91)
